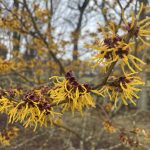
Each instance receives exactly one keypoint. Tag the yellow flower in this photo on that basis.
(139, 29)
(113, 49)
(106, 48)
(124, 87)
(7, 135)
(146, 135)
(40, 13)
(6, 104)
(5, 65)
(123, 53)
(33, 110)
(76, 95)
(109, 127)
(108, 107)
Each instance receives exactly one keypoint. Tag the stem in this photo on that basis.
(23, 77)
(68, 129)
(104, 81)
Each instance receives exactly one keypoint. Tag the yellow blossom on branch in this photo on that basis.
(139, 29)
(33, 110)
(76, 95)
(5, 104)
(5, 65)
(109, 127)
(7, 135)
(114, 48)
(125, 88)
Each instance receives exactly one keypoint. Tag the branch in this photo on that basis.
(23, 77)
(28, 140)
(123, 9)
(59, 103)
(78, 29)
(68, 129)
(111, 147)
(44, 40)
(104, 81)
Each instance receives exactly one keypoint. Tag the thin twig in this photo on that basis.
(104, 81)
(111, 147)
(68, 129)
(28, 140)
(23, 77)
(42, 38)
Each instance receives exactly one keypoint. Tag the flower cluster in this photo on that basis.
(120, 50)
(114, 48)
(109, 127)
(6, 104)
(124, 87)
(34, 109)
(7, 135)
(128, 140)
(139, 29)
(134, 137)
(5, 65)
(76, 95)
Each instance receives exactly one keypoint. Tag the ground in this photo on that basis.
(89, 127)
